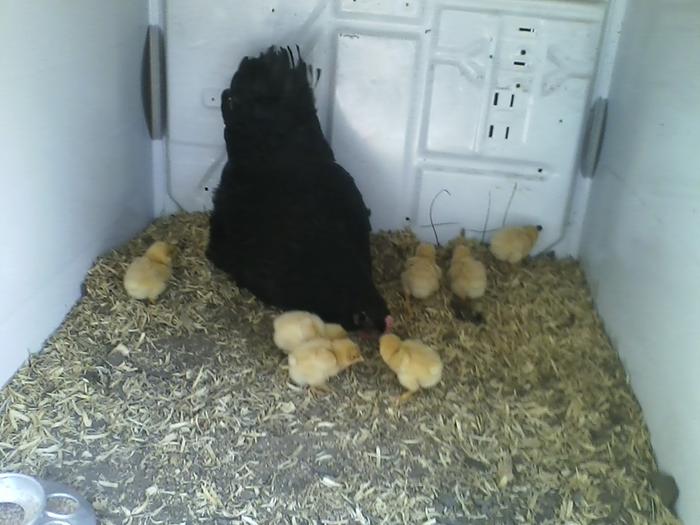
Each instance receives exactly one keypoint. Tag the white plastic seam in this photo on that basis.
(162, 203)
(571, 244)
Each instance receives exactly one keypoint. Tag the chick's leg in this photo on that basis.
(407, 302)
(404, 397)
(320, 390)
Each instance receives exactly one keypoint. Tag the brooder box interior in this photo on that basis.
(485, 100)
(481, 112)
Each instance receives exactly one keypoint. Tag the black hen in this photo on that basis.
(289, 224)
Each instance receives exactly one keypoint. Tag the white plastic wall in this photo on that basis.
(484, 98)
(75, 155)
(641, 246)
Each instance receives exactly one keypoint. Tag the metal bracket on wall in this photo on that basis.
(593, 142)
(153, 82)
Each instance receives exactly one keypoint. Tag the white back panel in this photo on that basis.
(484, 99)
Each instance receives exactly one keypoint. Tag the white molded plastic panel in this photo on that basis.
(371, 113)
(75, 156)
(485, 99)
(640, 247)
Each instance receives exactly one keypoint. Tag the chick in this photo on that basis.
(421, 276)
(514, 244)
(295, 327)
(334, 331)
(467, 275)
(415, 364)
(315, 361)
(147, 276)
(467, 281)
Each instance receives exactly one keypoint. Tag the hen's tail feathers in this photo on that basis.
(275, 76)
(270, 100)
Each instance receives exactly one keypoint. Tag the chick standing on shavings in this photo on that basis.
(147, 276)
(314, 362)
(514, 244)
(415, 364)
(295, 327)
(467, 278)
(421, 276)
(467, 275)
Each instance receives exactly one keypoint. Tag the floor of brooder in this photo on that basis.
(182, 412)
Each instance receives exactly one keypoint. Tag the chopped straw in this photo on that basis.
(182, 411)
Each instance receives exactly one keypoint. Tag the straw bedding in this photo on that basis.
(181, 412)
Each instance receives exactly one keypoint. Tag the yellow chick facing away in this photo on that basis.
(334, 331)
(315, 361)
(415, 364)
(147, 276)
(467, 275)
(514, 244)
(421, 276)
(295, 327)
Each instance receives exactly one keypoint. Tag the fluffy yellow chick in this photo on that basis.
(514, 244)
(315, 361)
(295, 327)
(415, 364)
(334, 331)
(147, 276)
(467, 275)
(421, 276)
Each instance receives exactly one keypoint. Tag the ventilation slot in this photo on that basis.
(503, 99)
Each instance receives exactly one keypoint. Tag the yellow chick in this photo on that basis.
(415, 364)
(315, 361)
(467, 275)
(334, 331)
(421, 276)
(514, 244)
(295, 327)
(147, 276)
